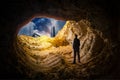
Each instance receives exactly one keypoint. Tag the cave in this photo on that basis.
(96, 22)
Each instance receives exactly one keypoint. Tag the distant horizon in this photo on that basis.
(41, 26)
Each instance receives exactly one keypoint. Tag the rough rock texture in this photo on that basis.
(44, 54)
(102, 14)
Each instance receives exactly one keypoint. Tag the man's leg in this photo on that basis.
(78, 56)
(74, 61)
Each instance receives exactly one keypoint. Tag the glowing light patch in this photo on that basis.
(42, 26)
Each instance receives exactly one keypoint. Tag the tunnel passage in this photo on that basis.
(20, 10)
(53, 56)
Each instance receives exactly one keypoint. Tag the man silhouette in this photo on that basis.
(76, 44)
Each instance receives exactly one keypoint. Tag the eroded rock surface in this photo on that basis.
(47, 55)
(102, 14)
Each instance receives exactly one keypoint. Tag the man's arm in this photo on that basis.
(73, 43)
(78, 42)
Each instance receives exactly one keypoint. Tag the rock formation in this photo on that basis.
(97, 23)
(44, 54)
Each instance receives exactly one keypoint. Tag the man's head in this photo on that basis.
(75, 35)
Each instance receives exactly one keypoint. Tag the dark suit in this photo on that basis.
(76, 44)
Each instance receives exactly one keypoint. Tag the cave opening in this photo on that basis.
(96, 22)
(41, 54)
(40, 26)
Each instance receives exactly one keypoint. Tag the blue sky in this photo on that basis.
(42, 26)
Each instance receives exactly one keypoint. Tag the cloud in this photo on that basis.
(41, 33)
(58, 24)
(55, 24)
(42, 24)
(27, 29)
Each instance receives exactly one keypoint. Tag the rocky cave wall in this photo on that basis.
(103, 18)
(41, 55)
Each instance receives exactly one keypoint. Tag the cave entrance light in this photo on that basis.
(41, 26)
(38, 37)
